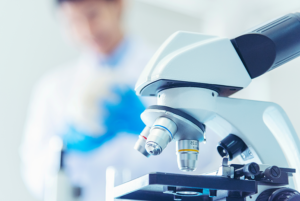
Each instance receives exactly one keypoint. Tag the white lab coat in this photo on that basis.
(49, 114)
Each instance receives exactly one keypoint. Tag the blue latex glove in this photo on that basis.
(123, 116)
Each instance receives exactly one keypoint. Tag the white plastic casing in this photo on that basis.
(198, 58)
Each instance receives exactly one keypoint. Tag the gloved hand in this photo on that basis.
(117, 109)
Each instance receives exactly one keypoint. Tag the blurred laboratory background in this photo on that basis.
(32, 42)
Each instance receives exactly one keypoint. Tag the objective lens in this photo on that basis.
(161, 134)
(187, 154)
(140, 144)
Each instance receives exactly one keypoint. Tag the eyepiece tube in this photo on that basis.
(161, 134)
(140, 144)
(270, 45)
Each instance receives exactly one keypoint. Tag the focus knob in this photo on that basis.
(285, 194)
(251, 169)
(279, 194)
(272, 173)
(294, 198)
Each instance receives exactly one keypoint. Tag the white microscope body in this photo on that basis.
(194, 74)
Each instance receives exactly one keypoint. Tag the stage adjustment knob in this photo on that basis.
(272, 173)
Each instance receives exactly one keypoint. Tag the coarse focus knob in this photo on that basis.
(279, 194)
(285, 194)
(294, 198)
(272, 172)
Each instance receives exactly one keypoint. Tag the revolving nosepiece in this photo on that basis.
(187, 154)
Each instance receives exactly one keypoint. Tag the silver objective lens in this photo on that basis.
(187, 154)
(140, 144)
(161, 134)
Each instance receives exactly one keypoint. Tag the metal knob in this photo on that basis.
(251, 169)
(272, 172)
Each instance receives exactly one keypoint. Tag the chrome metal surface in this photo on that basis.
(153, 148)
(141, 143)
(225, 170)
(187, 154)
(247, 155)
(186, 130)
(160, 135)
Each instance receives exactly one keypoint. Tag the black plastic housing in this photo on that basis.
(231, 146)
(284, 194)
(270, 45)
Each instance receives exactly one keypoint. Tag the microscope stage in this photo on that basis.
(169, 187)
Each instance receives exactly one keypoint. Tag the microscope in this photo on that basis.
(192, 75)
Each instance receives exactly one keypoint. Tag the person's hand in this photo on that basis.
(101, 113)
(83, 109)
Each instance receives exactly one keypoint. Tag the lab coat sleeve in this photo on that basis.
(39, 129)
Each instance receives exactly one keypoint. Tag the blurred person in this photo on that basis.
(92, 106)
